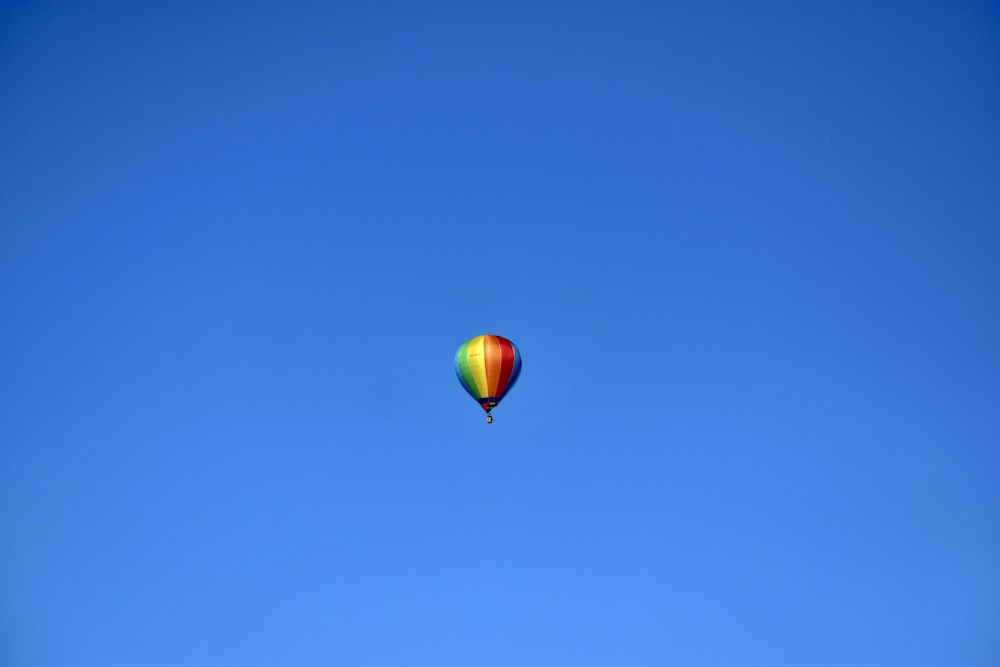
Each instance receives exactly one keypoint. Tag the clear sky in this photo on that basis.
(749, 251)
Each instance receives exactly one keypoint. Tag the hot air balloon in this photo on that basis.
(488, 366)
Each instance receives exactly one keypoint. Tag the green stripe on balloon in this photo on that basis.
(462, 359)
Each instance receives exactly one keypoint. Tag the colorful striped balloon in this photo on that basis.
(488, 366)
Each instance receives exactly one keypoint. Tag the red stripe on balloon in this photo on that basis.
(506, 365)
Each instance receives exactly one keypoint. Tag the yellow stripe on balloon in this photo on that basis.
(477, 364)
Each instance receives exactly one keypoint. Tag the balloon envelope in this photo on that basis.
(488, 366)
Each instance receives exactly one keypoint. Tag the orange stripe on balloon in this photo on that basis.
(491, 356)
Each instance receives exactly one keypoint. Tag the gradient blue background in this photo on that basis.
(749, 252)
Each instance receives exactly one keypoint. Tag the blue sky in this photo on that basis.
(748, 251)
